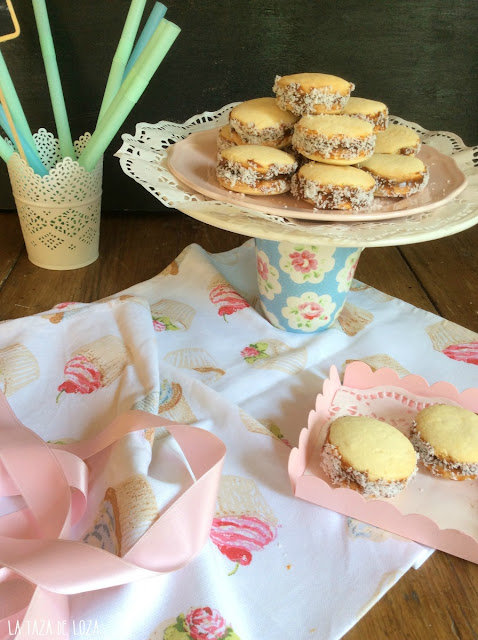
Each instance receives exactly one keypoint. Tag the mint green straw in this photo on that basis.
(130, 92)
(5, 150)
(53, 77)
(122, 54)
(14, 106)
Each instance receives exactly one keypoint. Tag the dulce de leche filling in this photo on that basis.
(335, 147)
(235, 172)
(329, 196)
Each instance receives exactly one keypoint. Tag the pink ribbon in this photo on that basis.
(40, 566)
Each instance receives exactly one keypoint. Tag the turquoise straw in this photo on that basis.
(5, 150)
(130, 92)
(53, 77)
(14, 106)
(157, 14)
(31, 155)
(122, 54)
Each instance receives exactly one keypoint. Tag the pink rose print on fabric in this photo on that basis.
(158, 325)
(81, 376)
(237, 537)
(255, 351)
(467, 352)
(205, 624)
(303, 261)
(250, 352)
(202, 623)
(228, 299)
(262, 268)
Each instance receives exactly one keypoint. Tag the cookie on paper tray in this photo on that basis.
(446, 439)
(369, 456)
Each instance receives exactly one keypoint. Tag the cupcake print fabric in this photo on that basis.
(203, 343)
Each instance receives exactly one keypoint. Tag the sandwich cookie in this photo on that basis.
(330, 187)
(312, 93)
(369, 110)
(396, 176)
(225, 138)
(340, 140)
(255, 170)
(446, 439)
(369, 456)
(398, 138)
(260, 121)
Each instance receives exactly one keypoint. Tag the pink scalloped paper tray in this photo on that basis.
(439, 513)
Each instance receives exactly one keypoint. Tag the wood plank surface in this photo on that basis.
(439, 601)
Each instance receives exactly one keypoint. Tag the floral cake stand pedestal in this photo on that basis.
(304, 267)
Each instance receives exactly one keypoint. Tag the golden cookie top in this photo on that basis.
(363, 106)
(395, 138)
(451, 431)
(328, 174)
(323, 81)
(263, 113)
(258, 156)
(373, 447)
(394, 167)
(330, 125)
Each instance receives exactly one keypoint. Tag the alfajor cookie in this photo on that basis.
(396, 176)
(312, 93)
(330, 187)
(339, 140)
(260, 121)
(369, 110)
(369, 456)
(255, 170)
(446, 440)
(225, 138)
(397, 138)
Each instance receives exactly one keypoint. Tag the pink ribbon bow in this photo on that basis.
(40, 566)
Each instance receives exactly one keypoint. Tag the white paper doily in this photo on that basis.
(143, 157)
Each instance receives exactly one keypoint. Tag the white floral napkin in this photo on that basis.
(189, 345)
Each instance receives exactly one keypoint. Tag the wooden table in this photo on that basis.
(440, 600)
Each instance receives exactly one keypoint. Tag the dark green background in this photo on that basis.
(419, 57)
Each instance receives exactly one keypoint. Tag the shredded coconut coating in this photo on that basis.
(292, 98)
(410, 151)
(379, 119)
(250, 134)
(441, 466)
(392, 189)
(331, 462)
(235, 173)
(338, 146)
(331, 196)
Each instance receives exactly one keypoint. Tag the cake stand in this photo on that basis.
(305, 267)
